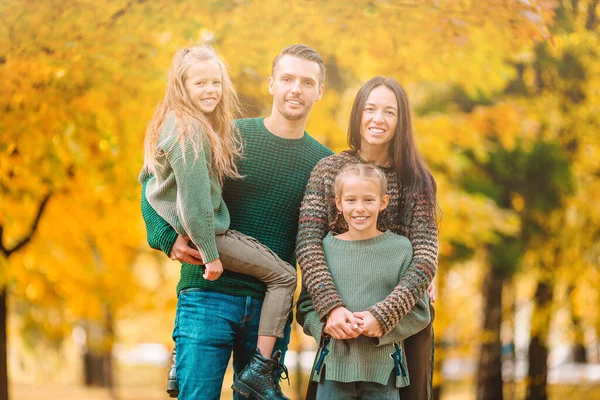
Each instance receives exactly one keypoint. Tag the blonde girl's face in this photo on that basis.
(360, 201)
(203, 84)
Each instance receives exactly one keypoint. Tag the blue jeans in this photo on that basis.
(332, 390)
(209, 326)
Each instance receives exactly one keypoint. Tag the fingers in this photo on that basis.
(189, 259)
(350, 318)
(184, 253)
(431, 290)
(370, 325)
(343, 332)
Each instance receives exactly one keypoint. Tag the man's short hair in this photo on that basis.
(304, 52)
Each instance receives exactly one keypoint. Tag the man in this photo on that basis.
(216, 318)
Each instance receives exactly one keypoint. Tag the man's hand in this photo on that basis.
(370, 326)
(431, 290)
(214, 269)
(341, 324)
(184, 253)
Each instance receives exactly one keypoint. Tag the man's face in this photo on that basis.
(295, 87)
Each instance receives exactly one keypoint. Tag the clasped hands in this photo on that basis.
(345, 324)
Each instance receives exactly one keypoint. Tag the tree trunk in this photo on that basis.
(538, 349)
(579, 350)
(3, 345)
(489, 370)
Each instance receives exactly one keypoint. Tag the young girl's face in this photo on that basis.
(203, 85)
(360, 201)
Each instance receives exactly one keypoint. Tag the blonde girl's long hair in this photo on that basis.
(218, 126)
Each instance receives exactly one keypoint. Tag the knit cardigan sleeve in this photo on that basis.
(423, 233)
(313, 226)
(414, 322)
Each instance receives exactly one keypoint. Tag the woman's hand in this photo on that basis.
(214, 269)
(370, 325)
(431, 290)
(184, 253)
(341, 324)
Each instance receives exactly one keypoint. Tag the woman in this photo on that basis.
(380, 132)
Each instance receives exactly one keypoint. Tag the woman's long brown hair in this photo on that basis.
(417, 182)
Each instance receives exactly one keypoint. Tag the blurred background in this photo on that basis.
(505, 96)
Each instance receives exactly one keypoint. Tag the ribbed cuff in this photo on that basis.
(379, 319)
(208, 250)
(328, 307)
(166, 241)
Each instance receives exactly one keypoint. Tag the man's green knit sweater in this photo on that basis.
(365, 272)
(264, 204)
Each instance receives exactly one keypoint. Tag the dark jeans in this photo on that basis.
(209, 326)
(419, 355)
(332, 390)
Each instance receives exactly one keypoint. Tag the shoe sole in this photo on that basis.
(172, 389)
(244, 390)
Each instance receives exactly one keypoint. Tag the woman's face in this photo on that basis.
(379, 118)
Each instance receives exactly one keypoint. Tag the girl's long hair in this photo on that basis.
(417, 182)
(192, 124)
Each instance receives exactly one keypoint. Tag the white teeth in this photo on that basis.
(294, 102)
(360, 218)
(376, 130)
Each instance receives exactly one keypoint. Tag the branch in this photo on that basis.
(7, 252)
(118, 14)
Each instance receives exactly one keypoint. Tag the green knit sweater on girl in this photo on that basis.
(364, 273)
(185, 192)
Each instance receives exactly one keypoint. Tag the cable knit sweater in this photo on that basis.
(317, 214)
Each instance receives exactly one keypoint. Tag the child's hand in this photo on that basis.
(341, 324)
(370, 327)
(214, 269)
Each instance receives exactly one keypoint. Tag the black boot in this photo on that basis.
(260, 378)
(172, 385)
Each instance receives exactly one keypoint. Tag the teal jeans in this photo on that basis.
(209, 327)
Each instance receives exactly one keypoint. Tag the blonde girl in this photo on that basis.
(191, 146)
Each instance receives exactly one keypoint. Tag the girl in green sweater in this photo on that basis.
(191, 145)
(366, 265)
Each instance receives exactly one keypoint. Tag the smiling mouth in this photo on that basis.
(360, 219)
(294, 102)
(208, 101)
(376, 130)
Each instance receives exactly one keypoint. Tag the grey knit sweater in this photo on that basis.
(365, 272)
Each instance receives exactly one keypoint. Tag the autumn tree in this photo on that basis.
(80, 79)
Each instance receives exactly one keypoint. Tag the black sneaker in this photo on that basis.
(260, 378)
(172, 385)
